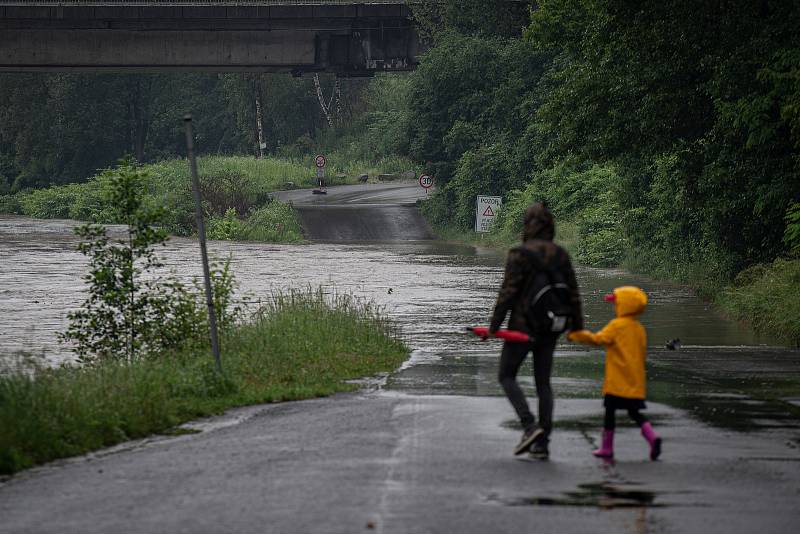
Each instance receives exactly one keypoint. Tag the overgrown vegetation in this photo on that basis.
(129, 313)
(302, 344)
(671, 156)
(142, 340)
(766, 296)
(276, 222)
(235, 193)
(664, 134)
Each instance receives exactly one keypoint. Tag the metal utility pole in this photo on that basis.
(201, 233)
(261, 144)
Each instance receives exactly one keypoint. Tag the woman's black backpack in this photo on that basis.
(546, 298)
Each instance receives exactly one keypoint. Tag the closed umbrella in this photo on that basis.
(514, 336)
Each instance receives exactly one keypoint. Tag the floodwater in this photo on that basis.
(723, 373)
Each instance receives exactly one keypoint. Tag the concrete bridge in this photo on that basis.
(349, 38)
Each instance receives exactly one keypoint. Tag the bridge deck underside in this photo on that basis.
(349, 39)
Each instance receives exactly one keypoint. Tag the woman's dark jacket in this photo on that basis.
(537, 238)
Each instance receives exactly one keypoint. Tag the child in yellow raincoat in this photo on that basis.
(626, 349)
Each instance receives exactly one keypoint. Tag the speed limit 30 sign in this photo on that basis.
(426, 181)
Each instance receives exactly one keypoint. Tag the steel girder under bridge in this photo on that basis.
(354, 38)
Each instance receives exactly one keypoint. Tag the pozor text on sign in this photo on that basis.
(486, 211)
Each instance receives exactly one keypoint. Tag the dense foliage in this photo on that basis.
(235, 194)
(667, 131)
(58, 129)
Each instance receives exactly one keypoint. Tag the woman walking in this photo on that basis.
(537, 254)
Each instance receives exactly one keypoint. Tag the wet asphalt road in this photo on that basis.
(358, 213)
(429, 449)
(394, 463)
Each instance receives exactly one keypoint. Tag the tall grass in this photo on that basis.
(767, 296)
(275, 222)
(302, 344)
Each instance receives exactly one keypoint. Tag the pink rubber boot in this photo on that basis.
(653, 439)
(606, 449)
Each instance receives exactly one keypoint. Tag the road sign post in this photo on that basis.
(426, 182)
(320, 161)
(486, 211)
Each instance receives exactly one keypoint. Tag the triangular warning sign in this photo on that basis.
(488, 212)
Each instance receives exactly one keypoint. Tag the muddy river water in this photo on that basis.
(723, 373)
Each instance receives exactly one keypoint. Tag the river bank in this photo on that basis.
(236, 190)
(430, 290)
(299, 345)
(763, 296)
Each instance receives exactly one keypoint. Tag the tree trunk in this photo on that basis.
(326, 109)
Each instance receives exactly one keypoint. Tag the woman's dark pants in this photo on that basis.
(510, 360)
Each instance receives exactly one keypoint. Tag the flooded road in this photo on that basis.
(724, 373)
(431, 450)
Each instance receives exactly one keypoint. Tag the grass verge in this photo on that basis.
(303, 344)
(766, 297)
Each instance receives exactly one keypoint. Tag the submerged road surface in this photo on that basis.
(428, 448)
(368, 212)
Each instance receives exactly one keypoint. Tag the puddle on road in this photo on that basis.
(739, 388)
(593, 495)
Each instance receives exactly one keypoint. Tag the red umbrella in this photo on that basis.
(514, 336)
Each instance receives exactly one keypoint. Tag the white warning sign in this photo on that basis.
(485, 212)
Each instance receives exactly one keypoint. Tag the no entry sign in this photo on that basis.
(320, 161)
(426, 181)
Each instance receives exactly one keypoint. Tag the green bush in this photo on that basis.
(227, 227)
(601, 242)
(765, 296)
(588, 218)
(52, 203)
(276, 222)
(483, 171)
(791, 235)
(130, 313)
(570, 190)
(10, 204)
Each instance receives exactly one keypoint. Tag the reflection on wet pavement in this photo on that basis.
(597, 495)
(724, 373)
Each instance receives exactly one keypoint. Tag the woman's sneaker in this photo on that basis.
(540, 450)
(530, 435)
